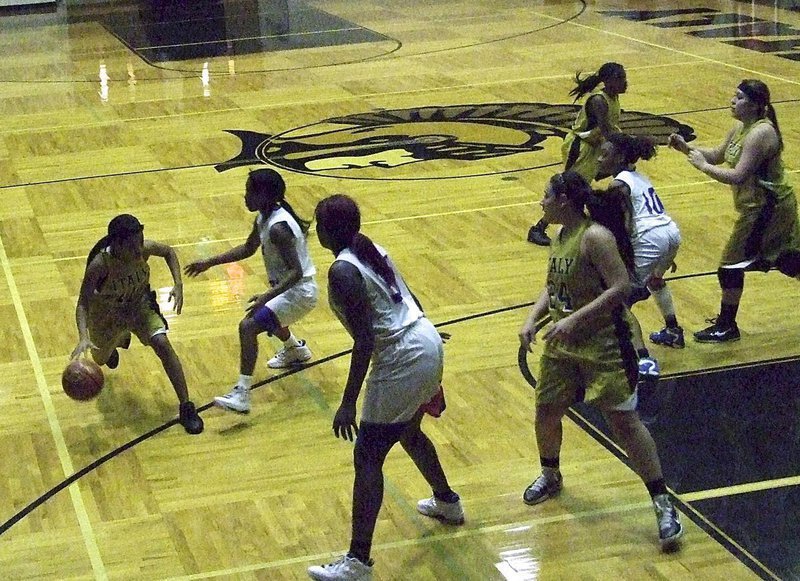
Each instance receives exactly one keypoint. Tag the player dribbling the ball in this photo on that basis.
(116, 301)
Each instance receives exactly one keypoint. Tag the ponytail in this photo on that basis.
(769, 113)
(366, 252)
(302, 222)
(587, 84)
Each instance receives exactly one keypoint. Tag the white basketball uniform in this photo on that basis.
(406, 366)
(299, 300)
(656, 236)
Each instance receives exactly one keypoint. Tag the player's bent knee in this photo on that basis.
(730, 278)
(656, 283)
(788, 263)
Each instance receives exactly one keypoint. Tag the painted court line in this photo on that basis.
(87, 532)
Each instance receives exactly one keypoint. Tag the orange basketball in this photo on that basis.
(82, 379)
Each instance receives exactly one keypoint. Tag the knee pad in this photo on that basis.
(730, 278)
(788, 263)
(656, 283)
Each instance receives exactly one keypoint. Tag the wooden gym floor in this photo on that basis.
(444, 120)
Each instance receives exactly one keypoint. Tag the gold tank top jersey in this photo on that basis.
(770, 176)
(582, 121)
(126, 282)
(573, 282)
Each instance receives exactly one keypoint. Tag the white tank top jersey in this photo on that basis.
(390, 318)
(648, 211)
(276, 268)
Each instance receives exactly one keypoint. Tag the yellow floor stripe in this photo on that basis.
(741, 489)
(52, 419)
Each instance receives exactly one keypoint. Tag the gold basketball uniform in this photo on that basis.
(123, 304)
(767, 224)
(600, 366)
(580, 154)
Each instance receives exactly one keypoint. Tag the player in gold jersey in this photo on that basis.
(766, 232)
(116, 300)
(597, 119)
(588, 355)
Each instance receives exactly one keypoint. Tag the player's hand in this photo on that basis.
(565, 330)
(176, 295)
(344, 422)
(197, 267)
(256, 302)
(83, 346)
(679, 143)
(697, 159)
(527, 336)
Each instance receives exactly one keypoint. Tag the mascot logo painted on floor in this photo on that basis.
(432, 142)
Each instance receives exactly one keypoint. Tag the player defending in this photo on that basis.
(281, 234)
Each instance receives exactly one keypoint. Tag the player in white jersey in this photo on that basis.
(655, 237)
(404, 354)
(292, 293)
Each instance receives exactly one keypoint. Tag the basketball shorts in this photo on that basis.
(109, 323)
(580, 156)
(655, 251)
(405, 373)
(764, 233)
(289, 306)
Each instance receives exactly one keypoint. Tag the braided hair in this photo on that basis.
(586, 84)
(269, 184)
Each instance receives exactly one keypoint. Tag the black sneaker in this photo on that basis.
(189, 419)
(717, 333)
(113, 360)
(537, 235)
(669, 525)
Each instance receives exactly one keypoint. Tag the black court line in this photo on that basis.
(604, 440)
(730, 426)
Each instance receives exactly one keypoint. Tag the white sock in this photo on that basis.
(291, 342)
(245, 381)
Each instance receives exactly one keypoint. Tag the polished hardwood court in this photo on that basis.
(444, 120)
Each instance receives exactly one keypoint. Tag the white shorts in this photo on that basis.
(404, 374)
(294, 304)
(655, 251)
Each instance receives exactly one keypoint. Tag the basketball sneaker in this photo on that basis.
(451, 513)
(538, 236)
(717, 333)
(542, 488)
(189, 418)
(648, 368)
(669, 525)
(345, 569)
(290, 356)
(669, 337)
(113, 360)
(236, 400)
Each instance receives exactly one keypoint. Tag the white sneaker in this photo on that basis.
(449, 512)
(287, 357)
(345, 569)
(237, 400)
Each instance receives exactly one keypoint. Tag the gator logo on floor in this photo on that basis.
(432, 142)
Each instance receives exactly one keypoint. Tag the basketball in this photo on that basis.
(82, 379)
